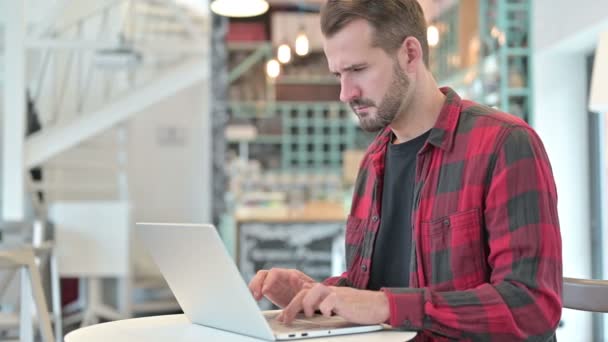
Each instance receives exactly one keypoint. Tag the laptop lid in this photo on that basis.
(211, 291)
(202, 275)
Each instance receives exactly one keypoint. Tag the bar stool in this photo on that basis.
(23, 258)
(33, 237)
(586, 294)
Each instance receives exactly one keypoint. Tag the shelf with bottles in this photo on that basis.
(299, 135)
(505, 34)
(444, 54)
(497, 71)
(309, 69)
(252, 187)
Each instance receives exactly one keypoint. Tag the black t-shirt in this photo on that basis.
(391, 258)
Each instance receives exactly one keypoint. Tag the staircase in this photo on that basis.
(92, 66)
(106, 61)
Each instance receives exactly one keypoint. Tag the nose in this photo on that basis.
(348, 90)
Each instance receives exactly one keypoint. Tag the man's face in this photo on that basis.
(372, 82)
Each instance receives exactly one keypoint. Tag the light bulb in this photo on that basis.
(284, 53)
(302, 44)
(273, 68)
(432, 35)
(239, 8)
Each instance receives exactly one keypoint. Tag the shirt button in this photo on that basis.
(407, 323)
(375, 218)
(446, 222)
(364, 268)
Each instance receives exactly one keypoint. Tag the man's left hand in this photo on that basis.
(357, 306)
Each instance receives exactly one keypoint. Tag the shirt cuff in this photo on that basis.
(337, 281)
(406, 307)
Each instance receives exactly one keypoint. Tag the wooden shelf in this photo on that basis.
(311, 212)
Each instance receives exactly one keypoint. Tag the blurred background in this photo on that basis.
(120, 111)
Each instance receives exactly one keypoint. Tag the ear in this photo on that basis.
(410, 54)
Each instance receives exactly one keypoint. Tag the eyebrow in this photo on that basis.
(350, 68)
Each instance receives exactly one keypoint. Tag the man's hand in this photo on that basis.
(357, 306)
(279, 285)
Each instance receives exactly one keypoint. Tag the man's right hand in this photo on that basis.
(279, 285)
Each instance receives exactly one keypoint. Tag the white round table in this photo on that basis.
(177, 328)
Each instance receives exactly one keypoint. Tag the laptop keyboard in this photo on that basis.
(303, 323)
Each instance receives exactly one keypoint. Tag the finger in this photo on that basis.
(255, 286)
(308, 285)
(303, 277)
(315, 296)
(292, 309)
(272, 278)
(328, 305)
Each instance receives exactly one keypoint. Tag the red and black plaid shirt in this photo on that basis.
(486, 248)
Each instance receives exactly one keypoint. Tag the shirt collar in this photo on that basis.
(443, 133)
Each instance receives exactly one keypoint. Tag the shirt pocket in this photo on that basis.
(355, 231)
(453, 252)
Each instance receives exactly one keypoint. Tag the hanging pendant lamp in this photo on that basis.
(239, 8)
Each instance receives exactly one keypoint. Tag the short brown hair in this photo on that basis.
(392, 20)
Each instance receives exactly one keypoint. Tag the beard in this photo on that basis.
(389, 106)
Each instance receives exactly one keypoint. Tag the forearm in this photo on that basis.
(505, 311)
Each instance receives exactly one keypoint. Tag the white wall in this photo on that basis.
(567, 25)
(561, 121)
(169, 178)
(165, 174)
(564, 34)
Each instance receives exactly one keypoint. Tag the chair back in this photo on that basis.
(586, 294)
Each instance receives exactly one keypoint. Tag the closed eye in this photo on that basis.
(352, 68)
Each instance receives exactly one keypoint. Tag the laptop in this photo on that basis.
(211, 292)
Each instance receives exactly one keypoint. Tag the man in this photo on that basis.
(453, 229)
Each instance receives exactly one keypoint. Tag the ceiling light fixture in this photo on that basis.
(239, 8)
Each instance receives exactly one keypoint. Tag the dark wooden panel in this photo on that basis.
(307, 92)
